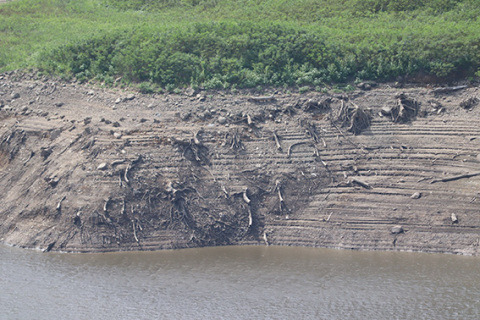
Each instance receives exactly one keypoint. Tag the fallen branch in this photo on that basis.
(329, 216)
(462, 176)
(315, 149)
(261, 99)
(59, 205)
(245, 196)
(361, 183)
(265, 238)
(105, 206)
(250, 218)
(277, 141)
(448, 89)
(125, 176)
(135, 232)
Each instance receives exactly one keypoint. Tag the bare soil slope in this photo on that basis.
(88, 169)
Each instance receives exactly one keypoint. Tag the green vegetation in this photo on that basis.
(242, 43)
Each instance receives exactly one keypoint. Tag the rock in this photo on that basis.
(190, 92)
(55, 134)
(87, 120)
(118, 100)
(386, 111)
(102, 166)
(185, 116)
(200, 97)
(91, 93)
(59, 104)
(366, 85)
(117, 135)
(397, 230)
(15, 95)
(151, 106)
(130, 96)
(454, 218)
(222, 120)
(416, 195)
(24, 109)
(116, 124)
(45, 152)
(142, 120)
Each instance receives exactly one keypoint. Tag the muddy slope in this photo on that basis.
(87, 169)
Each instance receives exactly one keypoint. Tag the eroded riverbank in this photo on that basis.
(87, 169)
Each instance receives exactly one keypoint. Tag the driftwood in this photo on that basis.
(448, 89)
(462, 176)
(316, 153)
(125, 176)
(265, 238)
(277, 141)
(262, 99)
(361, 183)
(59, 205)
(245, 196)
(105, 206)
(135, 231)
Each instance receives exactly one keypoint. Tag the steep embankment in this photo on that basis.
(87, 169)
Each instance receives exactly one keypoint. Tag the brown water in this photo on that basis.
(238, 283)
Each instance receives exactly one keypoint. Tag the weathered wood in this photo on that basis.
(462, 176)
(448, 89)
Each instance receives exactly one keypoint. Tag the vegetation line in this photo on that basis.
(243, 43)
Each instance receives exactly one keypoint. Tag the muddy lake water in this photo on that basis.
(238, 283)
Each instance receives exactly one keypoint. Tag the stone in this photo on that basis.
(91, 93)
(130, 96)
(116, 124)
(59, 104)
(45, 152)
(222, 120)
(386, 111)
(117, 135)
(190, 92)
(416, 195)
(24, 109)
(102, 166)
(15, 95)
(454, 218)
(118, 100)
(397, 230)
(55, 134)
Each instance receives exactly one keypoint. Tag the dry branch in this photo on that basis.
(462, 176)
(277, 141)
(448, 89)
(361, 183)
(245, 196)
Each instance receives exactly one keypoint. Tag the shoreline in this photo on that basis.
(89, 169)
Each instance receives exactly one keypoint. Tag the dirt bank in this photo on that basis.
(88, 169)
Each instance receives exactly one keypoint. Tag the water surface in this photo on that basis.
(238, 283)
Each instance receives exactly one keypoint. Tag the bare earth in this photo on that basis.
(87, 169)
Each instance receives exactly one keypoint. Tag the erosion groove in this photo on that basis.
(85, 169)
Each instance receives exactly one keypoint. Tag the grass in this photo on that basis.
(243, 43)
